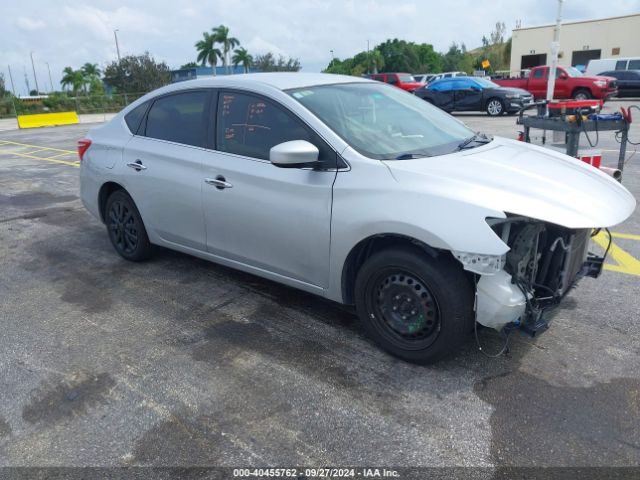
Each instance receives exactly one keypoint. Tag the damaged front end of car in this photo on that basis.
(543, 263)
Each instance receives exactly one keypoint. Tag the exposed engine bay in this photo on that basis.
(544, 262)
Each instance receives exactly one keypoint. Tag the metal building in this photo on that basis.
(580, 42)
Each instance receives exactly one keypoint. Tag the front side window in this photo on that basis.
(179, 118)
(382, 122)
(621, 65)
(634, 65)
(249, 126)
(392, 79)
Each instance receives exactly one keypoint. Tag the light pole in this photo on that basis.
(49, 70)
(34, 74)
(13, 88)
(115, 35)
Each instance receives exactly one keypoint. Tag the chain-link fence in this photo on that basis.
(12, 106)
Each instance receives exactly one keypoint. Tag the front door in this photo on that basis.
(272, 219)
(162, 168)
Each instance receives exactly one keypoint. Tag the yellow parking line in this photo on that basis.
(63, 154)
(628, 236)
(54, 160)
(5, 142)
(625, 262)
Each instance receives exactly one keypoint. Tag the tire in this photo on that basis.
(582, 94)
(495, 107)
(413, 306)
(125, 228)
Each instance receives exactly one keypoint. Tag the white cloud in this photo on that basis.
(30, 24)
(70, 32)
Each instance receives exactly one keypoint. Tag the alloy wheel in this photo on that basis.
(122, 227)
(494, 107)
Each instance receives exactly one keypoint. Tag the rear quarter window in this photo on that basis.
(134, 117)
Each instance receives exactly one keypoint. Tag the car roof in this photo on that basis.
(279, 80)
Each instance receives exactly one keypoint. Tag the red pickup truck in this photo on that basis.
(405, 81)
(570, 83)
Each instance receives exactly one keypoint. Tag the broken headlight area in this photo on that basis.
(543, 263)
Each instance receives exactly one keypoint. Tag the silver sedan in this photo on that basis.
(356, 191)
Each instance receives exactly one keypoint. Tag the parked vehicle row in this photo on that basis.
(356, 191)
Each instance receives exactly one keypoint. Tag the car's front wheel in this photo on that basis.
(582, 94)
(495, 107)
(125, 227)
(415, 307)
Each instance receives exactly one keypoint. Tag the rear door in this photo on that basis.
(538, 82)
(162, 168)
(467, 95)
(268, 218)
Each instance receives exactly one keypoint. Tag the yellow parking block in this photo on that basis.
(47, 119)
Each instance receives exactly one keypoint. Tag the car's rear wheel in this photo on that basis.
(495, 107)
(413, 306)
(125, 227)
(582, 94)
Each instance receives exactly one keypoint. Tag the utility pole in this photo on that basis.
(34, 74)
(331, 51)
(115, 35)
(13, 88)
(26, 80)
(555, 48)
(368, 58)
(50, 82)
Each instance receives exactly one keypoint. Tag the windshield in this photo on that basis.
(406, 78)
(486, 83)
(383, 122)
(573, 72)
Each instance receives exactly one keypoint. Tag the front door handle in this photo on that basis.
(137, 165)
(219, 182)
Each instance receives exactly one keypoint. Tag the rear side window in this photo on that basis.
(621, 65)
(634, 65)
(248, 125)
(179, 118)
(540, 73)
(134, 117)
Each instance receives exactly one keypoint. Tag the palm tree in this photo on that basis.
(207, 53)
(72, 78)
(221, 36)
(240, 55)
(91, 73)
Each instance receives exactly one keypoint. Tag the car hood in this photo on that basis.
(523, 179)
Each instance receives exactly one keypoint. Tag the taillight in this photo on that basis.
(83, 146)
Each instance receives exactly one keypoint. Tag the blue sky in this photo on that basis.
(71, 33)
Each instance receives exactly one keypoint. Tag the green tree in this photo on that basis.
(73, 79)
(207, 51)
(189, 65)
(3, 88)
(269, 63)
(91, 76)
(221, 35)
(458, 59)
(136, 74)
(241, 56)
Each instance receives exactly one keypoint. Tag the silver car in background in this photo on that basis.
(355, 191)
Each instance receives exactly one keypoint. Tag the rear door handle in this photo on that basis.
(137, 165)
(219, 182)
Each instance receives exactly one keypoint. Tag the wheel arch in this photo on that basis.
(105, 191)
(373, 244)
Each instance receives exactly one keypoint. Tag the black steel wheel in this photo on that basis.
(416, 307)
(406, 311)
(125, 227)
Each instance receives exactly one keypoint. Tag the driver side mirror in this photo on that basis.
(294, 154)
(563, 76)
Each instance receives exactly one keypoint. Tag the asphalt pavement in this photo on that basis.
(177, 361)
